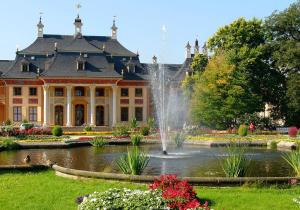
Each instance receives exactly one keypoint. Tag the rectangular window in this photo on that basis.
(99, 92)
(17, 111)
(17, 91)
(32, 114)
(124, 113)
(124, 92)
(59, 92)
(138, 92)
(139, 113)
(32, 91)
(79, 91)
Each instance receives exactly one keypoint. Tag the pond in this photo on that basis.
(191, 160)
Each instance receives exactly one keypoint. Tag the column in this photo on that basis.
(46, 105)
(69, 105)
(114, 105)
(92, 103)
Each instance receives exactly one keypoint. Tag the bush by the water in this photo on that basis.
(243, 130)
(8, 144)
(293, 132)
(236, 163)
(121, 130)
(136, 139)
(145, 130)
(134, 162)
(123, 199)
(57, 131)
(179, 138)
(98, 141)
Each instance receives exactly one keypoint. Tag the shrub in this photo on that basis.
(7, 130)
(8, 122)
(236, 164)
(243, 130)
(134, 162)
(179, 138)
(145, 130)
(26, 126)
(178, 194)
(57, 130)
(133, 123)
(293, 132)
(293, 159)
(98, 141)
(121, 130)
(9, 144)
(136, 139)
(122, 199)
(87, 128)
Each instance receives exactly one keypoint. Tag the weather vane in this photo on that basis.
(41, 13)
(78, 6)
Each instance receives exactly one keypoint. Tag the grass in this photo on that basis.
(44, 191)
(293, 159)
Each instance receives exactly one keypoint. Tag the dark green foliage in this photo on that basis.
(134, 162)
(27, 125)
(57, 131)
(145, 130)
(199, 63)
(243, 130)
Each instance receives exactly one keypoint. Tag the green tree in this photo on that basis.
(199, 62)
(222, 95)
(283, 30)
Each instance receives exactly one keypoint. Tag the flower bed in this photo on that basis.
(165, 193)
(88, 133)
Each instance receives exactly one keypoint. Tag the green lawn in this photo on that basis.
(43, 190)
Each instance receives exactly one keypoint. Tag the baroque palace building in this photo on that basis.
(73, 80)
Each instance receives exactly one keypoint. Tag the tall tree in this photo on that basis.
(283, 29)
(222, 95)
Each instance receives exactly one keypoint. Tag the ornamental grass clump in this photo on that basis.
(134, 162)
(136, 139)
(236, 164)
(179, 138)
(98, 141)
(293, 159)
(121, 130)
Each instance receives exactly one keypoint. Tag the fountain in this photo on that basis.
(166, 100)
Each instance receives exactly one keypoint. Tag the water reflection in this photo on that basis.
(202, 161)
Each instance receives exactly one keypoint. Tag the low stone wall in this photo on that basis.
(215, 181)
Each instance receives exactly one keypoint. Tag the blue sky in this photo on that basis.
(139, 22)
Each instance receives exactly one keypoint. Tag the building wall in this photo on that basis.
(25, 101)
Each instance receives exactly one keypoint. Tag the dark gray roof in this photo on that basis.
(68, 43)
(4, 66)
(103, 57)
(64, 65)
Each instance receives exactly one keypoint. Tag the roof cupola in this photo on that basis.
(40, 27)
(188, 53)
(114, 29)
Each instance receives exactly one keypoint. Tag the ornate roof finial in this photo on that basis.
(40, 27)
(114, 29)
(154, 59)
(78, 6)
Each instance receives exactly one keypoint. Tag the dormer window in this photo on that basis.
(25, 67)
(80, 65)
